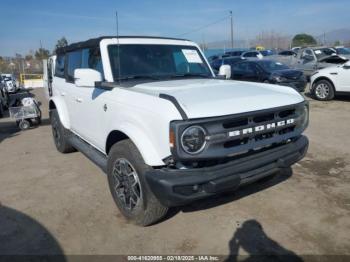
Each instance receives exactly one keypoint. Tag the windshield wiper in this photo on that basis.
(126, 78)
(192, 75)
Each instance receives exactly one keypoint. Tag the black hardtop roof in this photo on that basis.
(94, 42)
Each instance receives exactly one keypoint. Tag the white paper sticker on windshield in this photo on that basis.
(318, 52)
(192, 56)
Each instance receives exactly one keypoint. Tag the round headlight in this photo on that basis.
(193, 139)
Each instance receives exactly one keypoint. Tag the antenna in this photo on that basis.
(118, 45)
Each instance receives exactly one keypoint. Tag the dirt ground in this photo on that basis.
(60, 204)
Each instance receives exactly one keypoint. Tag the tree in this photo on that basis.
(2, 64)
(336, 43)
(42, 53)
(28, 57)
(303, 40)
(61, 43)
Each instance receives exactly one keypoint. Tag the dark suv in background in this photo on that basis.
(268, 71)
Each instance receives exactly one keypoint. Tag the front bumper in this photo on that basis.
(176, 187)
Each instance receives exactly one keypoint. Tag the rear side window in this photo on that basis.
(59, 68)
(251, 54)
(74, 62)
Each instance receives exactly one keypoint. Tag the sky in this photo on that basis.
(26, 24)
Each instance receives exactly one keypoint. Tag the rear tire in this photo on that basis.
(60, 134)
(323, 90)
(131, 193)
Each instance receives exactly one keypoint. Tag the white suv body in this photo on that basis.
(172, 121)
(328, 82)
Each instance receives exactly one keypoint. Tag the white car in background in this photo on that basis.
(328, 82)
(10, 83)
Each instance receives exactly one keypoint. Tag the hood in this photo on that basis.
(288, 73)
(213, 97)
(333, 59)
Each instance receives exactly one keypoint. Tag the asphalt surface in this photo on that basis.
(53, 203)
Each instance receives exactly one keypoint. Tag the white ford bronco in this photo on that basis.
(150, 112)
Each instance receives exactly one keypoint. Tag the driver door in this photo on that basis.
(249, 73)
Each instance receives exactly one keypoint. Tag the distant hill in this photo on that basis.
(342, 35)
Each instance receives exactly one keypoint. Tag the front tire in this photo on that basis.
(126, 177)
(24, 124)
(323, 90)
(60, 134)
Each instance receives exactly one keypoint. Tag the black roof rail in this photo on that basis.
(94, 42)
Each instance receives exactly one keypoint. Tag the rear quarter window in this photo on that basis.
(59, 68)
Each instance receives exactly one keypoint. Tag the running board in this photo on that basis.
(89, 151)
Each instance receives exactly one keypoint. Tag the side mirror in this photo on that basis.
(225, 71)
(86, 77)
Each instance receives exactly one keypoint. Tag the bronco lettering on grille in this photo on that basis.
(269, 126)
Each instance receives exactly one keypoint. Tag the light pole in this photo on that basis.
(231, 29)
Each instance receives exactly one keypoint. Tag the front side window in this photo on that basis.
(91, 58)
(242, 68)
(74, 62)
(251, 54)
(307, 55)
(156, 61)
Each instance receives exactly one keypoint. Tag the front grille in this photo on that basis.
(256, 129)
(228, 136)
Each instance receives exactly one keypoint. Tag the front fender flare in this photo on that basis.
(62, 111)
(147, 149)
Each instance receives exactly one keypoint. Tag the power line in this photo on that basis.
(207, 25)
(231, 29)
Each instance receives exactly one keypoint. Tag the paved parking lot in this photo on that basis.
(55, 203)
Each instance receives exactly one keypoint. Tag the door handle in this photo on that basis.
(63, 93)
(79, 100)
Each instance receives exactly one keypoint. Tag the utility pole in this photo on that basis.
(231, 29)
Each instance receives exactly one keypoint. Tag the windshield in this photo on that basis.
(156, 61)
(343, 51)
(271, 66)
(324, 52)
